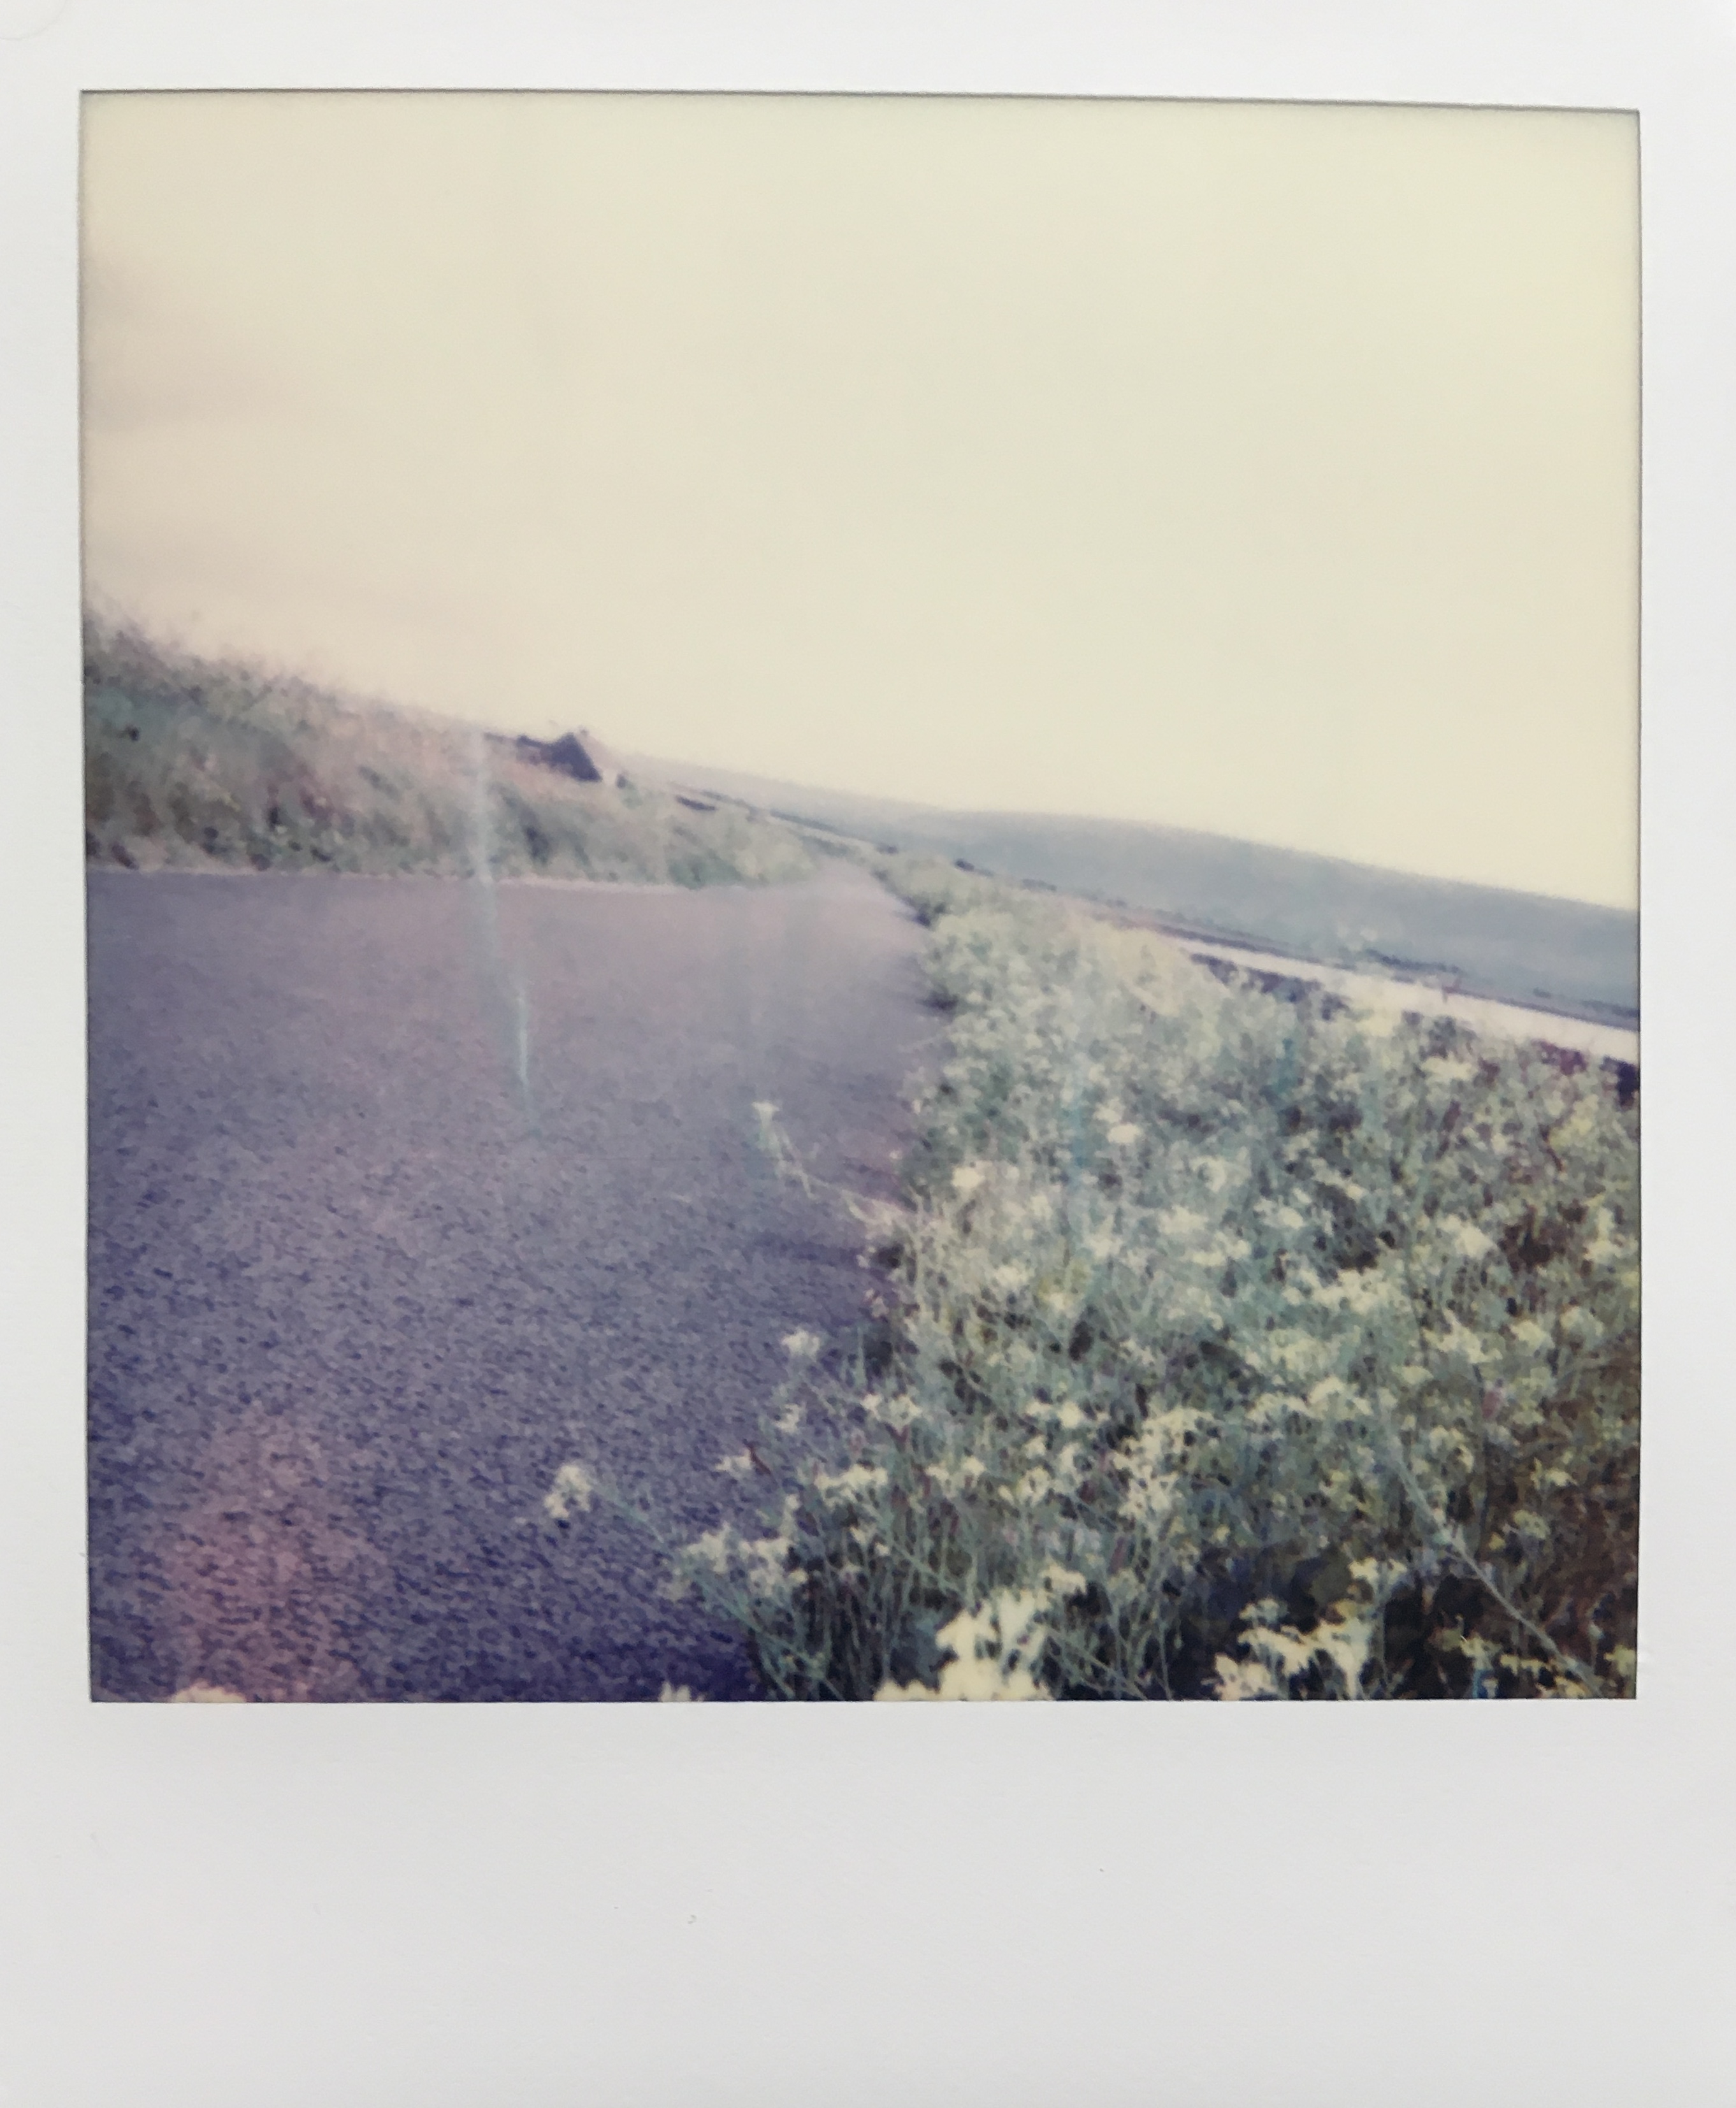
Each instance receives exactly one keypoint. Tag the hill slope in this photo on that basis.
(1524, 948)
(190, 764)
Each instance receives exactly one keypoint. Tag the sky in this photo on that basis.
(1266, 469)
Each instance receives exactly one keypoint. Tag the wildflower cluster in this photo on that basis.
(1226, 1348)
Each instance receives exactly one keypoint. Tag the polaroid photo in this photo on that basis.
(855, 916)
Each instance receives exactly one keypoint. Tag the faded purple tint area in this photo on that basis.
(405, 1191)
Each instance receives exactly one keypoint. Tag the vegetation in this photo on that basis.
(1225, 1346)
(191, 764)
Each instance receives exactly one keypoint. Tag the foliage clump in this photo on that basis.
(1224, 1348)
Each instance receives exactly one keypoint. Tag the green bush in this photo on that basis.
(1226, 1348)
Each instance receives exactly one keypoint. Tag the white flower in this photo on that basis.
(1032, 1489)
(572, 1489)
(768, 1559)
(1124, 1134)
(802, 1346)
(1459, 1340)
(966, 1179)
(894, 1412)
(677, 1694)
(1466, 1238)
(993, 1646)
(950, 1478)
(741, 1466)
(713, 1549)
(1333, 1399)
(847, 1484)
(1238, 1680)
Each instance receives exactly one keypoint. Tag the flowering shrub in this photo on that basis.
(1226, 1348)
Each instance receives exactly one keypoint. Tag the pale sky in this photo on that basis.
(1266, 469)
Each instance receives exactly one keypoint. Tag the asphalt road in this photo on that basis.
(405, 1191)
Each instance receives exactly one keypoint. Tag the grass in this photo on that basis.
(1224, 1347)
(194, 765)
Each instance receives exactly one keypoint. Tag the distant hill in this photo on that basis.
(1563, 955)
(193, 764)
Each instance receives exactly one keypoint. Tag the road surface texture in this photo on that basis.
(404, 1192)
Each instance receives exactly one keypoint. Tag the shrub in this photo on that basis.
(1225, 1348)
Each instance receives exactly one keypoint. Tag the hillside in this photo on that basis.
(191, 763)
(1563, 955)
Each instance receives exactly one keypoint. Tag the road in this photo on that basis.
(405, 1191)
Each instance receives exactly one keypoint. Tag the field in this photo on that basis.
(1224, 1347)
